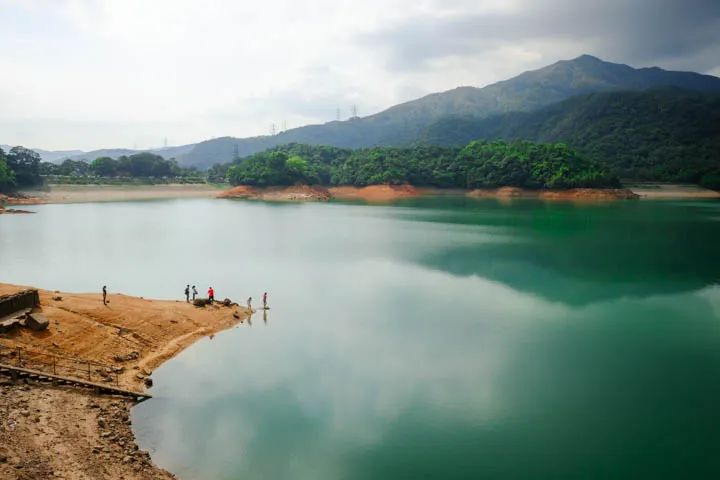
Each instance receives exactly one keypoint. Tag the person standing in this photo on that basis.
(265, 301)
(187, 294)
(211, 295)
(194, 292)
(250, 304)
(104, 294)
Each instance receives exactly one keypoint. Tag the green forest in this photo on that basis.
(662, 134)
(22, 168)
(479, 164)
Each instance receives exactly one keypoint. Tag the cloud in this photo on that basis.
(189, 70)
(645, 32)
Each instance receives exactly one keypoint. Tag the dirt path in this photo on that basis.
(65, 432)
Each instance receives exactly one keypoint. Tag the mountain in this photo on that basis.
(661, 134)
(399, 124)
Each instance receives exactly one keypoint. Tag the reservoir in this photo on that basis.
(446, 338)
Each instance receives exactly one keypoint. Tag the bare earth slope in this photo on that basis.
(65, 432)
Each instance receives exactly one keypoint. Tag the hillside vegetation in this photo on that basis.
(656, 135)
(477, 165)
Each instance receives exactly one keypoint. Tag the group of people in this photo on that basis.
(211, 297)
(249, 302)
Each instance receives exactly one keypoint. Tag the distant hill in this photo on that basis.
(662, 134)
(399, 124)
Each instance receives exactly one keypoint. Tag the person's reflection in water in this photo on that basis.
(265, 317)
(249, 319)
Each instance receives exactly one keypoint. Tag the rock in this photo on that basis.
(105, 434)
(95, 451)
(127, 459)
(127, 358)
(148, 382)
(118, 370)
(201, 302)
(173, 321)
(140, 376)
(36, 321)
(102, 423)
(57, 298)
(146, 372)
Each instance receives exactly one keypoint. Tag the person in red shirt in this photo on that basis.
(211, 295)
(265, 300)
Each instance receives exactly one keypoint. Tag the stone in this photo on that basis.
(140, 376)
(57, 298)
(127, 459)
(102, 423)
(126, 358)
(148, 382)
(36, 321)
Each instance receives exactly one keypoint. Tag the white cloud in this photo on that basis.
(97, 73)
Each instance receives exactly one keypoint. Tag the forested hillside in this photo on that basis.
(656, 135)
(477, 165)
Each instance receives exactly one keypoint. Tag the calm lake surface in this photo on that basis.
(436, 338)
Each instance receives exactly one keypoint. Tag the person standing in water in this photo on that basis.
(104, 294)
(265, 300)
(250, 304)
(187, 294)
(194, 292)
(211, 295)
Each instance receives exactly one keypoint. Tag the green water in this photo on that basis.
(437, 338)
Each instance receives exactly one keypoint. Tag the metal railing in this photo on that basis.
(56, 364)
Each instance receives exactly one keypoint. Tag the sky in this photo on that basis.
(88, 74)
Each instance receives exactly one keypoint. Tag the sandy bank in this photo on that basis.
(11, 211)
(573, 194)
(670, 191)
(148, 332)
(376, 193)
(113, 193)
(297, 193)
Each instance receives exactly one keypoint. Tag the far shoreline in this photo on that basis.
(114, 193)
(65, 194)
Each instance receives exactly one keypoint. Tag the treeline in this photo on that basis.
(139, 165)
(480, 164)
(662, 134)
(22, 168)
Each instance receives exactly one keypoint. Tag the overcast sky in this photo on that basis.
(85, 74)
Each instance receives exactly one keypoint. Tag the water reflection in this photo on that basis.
(583, 254)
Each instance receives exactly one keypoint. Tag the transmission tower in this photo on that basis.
(354, 111)
(337, 114)
(285, 126)
(273, 129)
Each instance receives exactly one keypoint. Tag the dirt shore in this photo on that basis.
(301, 193)
(112, 193)
(670, 191)
(298, 193)
(65, 432)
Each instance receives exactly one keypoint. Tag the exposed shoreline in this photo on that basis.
(93, 432)
(370, 194)
(113, 193)
(388, 193)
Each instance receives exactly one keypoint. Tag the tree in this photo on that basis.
(104, 167)
(26, 165)
(7, 176)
